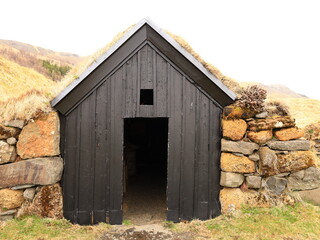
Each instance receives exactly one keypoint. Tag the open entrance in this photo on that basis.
(145, 169)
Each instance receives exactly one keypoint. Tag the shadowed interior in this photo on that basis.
(145, 169)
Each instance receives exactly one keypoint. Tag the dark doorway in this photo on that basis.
(145, 169)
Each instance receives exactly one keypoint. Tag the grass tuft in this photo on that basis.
(298, 222)
(33, 227)
(301, 221)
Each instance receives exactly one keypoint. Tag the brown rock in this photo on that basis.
(236, 112)
(231, 199)
(253, 182)
(246, 148)
(15, 123)
(260, 137)
(7, 132)
(270, 123)
(237, 164)
(47, 203)
(10, 198)
(7, 153)
(42, 171)
(229, 179)
(293, 145)
(312, 196)
(276, 185)
(306, 179)
(295, 161)
(234, 129)
(268, 164)
(287, 134)
(40, 138)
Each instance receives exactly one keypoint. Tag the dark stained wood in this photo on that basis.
(203, 157)
(116, 150)
(188, 151)
(93, 140)
(100, 163)
(196, 155)
(108, 149)
(131, 87)
(86, 87)
(70, 180)
(87, 153)
(175, 151)
(161, 81)
(214, 160)
(187, 67)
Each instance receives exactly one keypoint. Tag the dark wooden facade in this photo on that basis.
(92, 125)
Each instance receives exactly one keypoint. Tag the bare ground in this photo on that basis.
(145, 201)
(144, 232)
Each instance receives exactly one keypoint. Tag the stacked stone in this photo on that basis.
(317, 147)
(30, 168)
(263, 160)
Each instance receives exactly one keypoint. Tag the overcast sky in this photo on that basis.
(270, 41)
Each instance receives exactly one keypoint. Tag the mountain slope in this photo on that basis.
(275, 90)
(16, 80)
(52, 64)
(63, 57)
(303, 109)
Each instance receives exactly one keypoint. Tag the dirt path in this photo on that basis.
(145, 201)
(144, 232)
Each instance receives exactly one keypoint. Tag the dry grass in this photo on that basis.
(232, 84)
(298, 222)
(286, 223)
(23, 91)
(17, 80)
(304, 110)
(30, 228)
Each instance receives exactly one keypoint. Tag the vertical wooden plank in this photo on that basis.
(154, 82)
(188, 151)
(138, 84)
(130, 86)
(146, 66)
(117, 149)
(203, 187)
(100, 164)
(161, 97)
(70, 173)
(87, 152)
(214, 160)
(175, 124)
(146, 78)
(196, 155)
(108, 148)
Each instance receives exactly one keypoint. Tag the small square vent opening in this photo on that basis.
(146, 96)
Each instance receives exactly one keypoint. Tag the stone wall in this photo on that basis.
(264, 161)
(30, 168)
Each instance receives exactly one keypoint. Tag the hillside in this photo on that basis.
(303, 109)
(53, 65)
(22, 91)
(33, 88)
(63, 57)
(21, 79)
(275, 90)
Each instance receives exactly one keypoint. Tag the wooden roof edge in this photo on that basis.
(122, 40)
